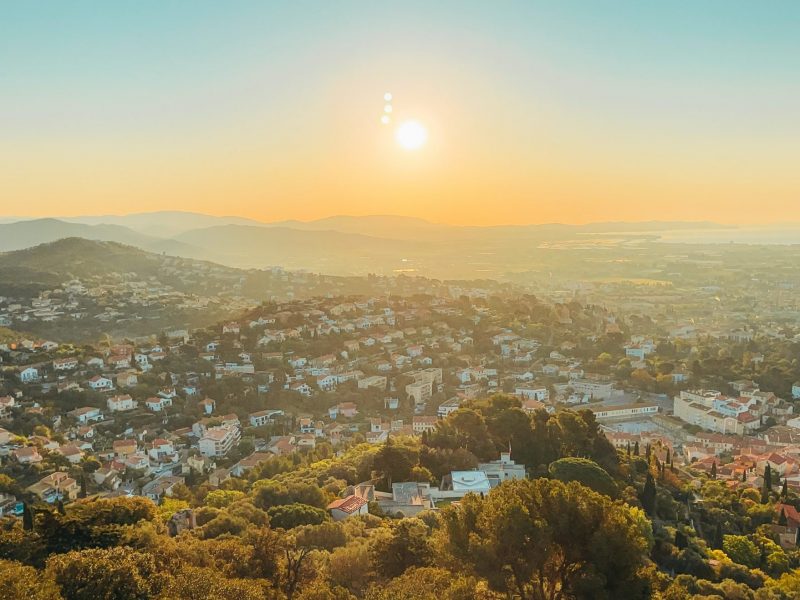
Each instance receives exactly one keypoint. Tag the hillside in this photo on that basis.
(81, 257)
(78, 258)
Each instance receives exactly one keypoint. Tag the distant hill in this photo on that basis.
(25, 272)
(81, 258)
(165, 223)
(345, 245)
(24, 234)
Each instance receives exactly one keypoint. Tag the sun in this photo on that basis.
(411, 135)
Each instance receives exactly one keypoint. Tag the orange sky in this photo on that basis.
(535, 114)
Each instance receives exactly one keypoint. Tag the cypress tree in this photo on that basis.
(668, 459)
(782, 519)
(648, 495)
(714, 470)
(718, 536)
(744, 476)
(82, 493)
(785, 489)
(60, 507)
(766, 488)
(647, 452)
(636, 448)
(681, 541)
(27, 517)
(628, 449)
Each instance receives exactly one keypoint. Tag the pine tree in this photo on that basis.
(648, 495)
(714, 470)
(27, 517)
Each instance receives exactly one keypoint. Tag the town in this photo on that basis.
(203, 406)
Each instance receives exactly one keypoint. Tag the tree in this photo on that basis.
(541, 539)
(293, 515)
(222, 498)
(586, 472)
(195, 583)
(350, 567)
(394, 462)
(267, 547)
(636, 448)
(429, 583)
(718, 537)
(27, 517)
(421, 474)
(740, 549)
(111, 574)
(766, 488)
(405, 546)
(714, 470)
(785, 489)
(648, 495)
(20, 582)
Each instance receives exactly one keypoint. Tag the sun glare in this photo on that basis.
(411, 135)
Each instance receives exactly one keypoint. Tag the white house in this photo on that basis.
(157, 404)
(29, 374)
(301, 387)
(327, 383)
(65, 364)
(264, 417)
(448, 407)
(121, 403)
(501, 470)
(464, 482)
(100, 383)
(533, 392)
(86, 414)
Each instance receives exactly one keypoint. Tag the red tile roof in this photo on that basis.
(348, 505)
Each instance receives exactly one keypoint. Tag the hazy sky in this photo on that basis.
(537, 111)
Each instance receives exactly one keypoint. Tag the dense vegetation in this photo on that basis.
(590, 523)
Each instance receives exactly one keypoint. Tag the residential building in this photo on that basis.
(218, 441)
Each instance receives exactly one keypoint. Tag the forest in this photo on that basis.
(589, 522)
